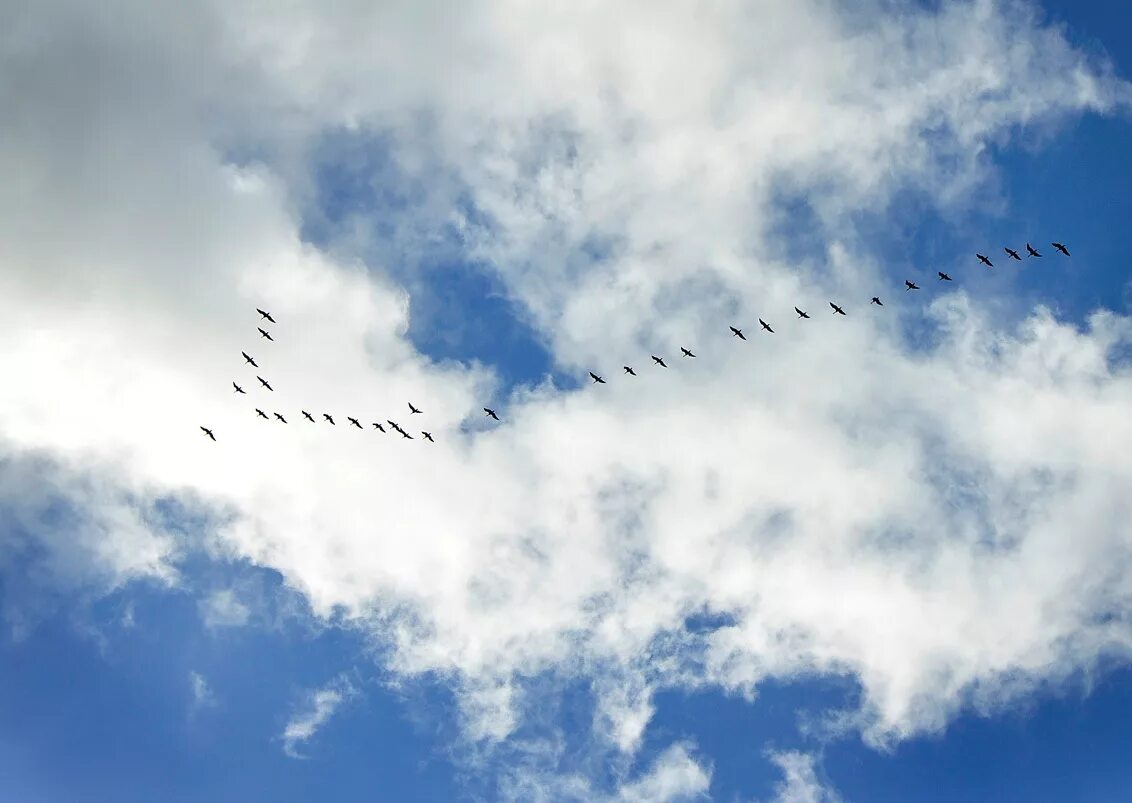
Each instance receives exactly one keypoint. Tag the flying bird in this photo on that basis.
(801, 314)
(876, 300)
(208, 432)
(1061, 248)
(281, 418)
(658, 361)
(737, 333)
(985, 261)
(428, 436)
(687, 353)
(378, 426)
(1031, 251)
(329, 418)
(262, 333)
(943, 277)
(261, 413)
(263, 382)
(308, 416)
(394, 425)
(238, 389)
(265, 314)
(404, 434)
(491, 413)
(1013, 253)
(597, 379)
(910, 286)
(412, 409)
(836, 309)
(249, 359)
(629, 371)
(354, 421)
(766, 326)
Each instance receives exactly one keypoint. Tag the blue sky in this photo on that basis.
(140, 684)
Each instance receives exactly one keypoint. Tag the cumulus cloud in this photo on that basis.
(945, 523)
(800, 783)
(318, 707)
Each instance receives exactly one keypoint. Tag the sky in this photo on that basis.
(879, 556)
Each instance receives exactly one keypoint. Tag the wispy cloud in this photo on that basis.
(800, 783)
(316, 709)
(202, 695)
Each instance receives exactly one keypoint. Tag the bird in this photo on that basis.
(308, 416)
(261, 413)
(801, 314)
(876, 300)
(378, 426)
(985, 261)
(281, 418)
(208, 432)
(1013, 253)
(737, 333)
(266, 334)
(238, 389)
(629, 371)
(263, 382)
(329, 418)
(836, 309)
(354, 421)
(394, 425)
(687, 353)
(597, 379)
(404, 434)
(412, 409)
(491, 413)
(766, 326)
(265, 314)
(943, 277)
(428, 436)
(249, 359)
(1061, 248)
(1031, 251)
(658, 361)
(910, 286)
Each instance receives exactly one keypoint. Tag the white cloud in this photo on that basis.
(222, 608)
(947, 524)
(800, 783)
(203, 696)
(318, 707)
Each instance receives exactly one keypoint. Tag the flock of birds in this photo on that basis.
(597, 379)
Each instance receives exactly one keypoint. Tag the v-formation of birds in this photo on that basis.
(596, 378)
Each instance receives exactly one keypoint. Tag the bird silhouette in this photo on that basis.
(491, 413)
(876, 300)
(597, 379)
(428, 436)
(910, 286)
(281, 418)
(394, 425)
(378, 427)
(737, 333)
(836, 309)
(262, 333)
(687, 353)
(308, 416)
(1031, 251)
(261, 413)
(658, 361)
(248, 359)
(412, 409)
(801, 314)
(1013, 253)
(629, 371)
(354, 421)
(765, 325)
(1061, 248)
(329, 418)
(404, 434)
(238, 389)
(208, 432)
(265, 314)
(985, 261)
(943, 277)
(263, 382)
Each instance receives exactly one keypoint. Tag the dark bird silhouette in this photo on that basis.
(630, 371)
(307, 416)
(1013, 253)
(985, 261)
(943, 277)
(263, 382)
(687, 353)
(208, 432)
(876, 300)
(281, 418)
(329, 418)
(378, 426)
(1061, 248)
(262, 333)
(428, 436)
(765, 325)
(412, 409)
(354, 421)
(261, 413)
(910, 286)
(265, 314)
(1031, 251)
(597, 379)
(238, 389)
(658, 361)
(394, 425)
(249, 359)
(836, 309)
(404, 434)
(801, 314)
(491, 413)
(737, 333)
